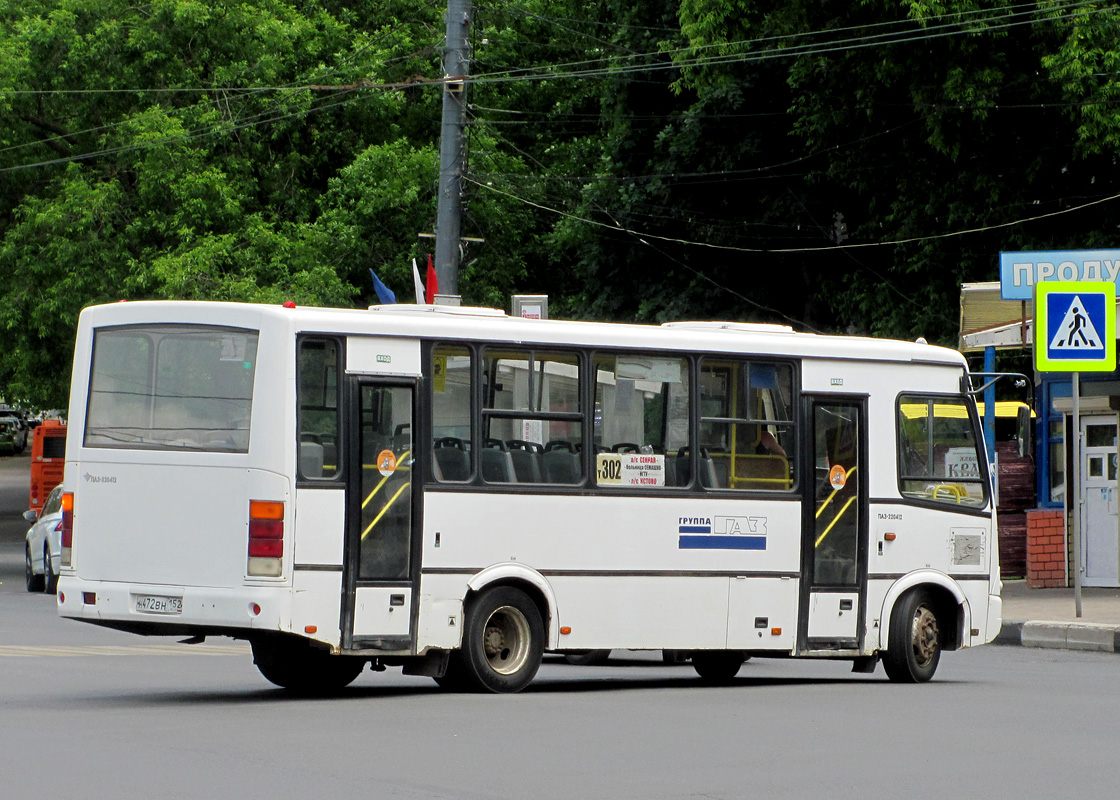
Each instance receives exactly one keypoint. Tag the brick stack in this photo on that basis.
(1046, 548)
(1016, 497)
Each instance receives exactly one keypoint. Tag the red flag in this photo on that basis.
(433, 284)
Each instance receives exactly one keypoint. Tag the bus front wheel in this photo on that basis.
(503, 641)
(914, 647)
(295, 665)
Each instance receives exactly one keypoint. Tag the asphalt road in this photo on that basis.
(88, 713)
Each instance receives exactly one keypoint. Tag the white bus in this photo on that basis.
(457, 491)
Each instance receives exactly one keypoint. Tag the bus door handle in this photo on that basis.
(396, 600)
(845, 605)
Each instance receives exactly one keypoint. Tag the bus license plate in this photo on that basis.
(151, 604)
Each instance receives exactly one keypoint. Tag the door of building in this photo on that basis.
(1100, 538)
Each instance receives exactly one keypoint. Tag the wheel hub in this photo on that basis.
(924, 635)
(505, 640)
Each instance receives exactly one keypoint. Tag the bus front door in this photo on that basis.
(378, 571)
(834, 575)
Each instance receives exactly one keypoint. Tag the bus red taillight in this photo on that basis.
(67, 527)
(266, 538)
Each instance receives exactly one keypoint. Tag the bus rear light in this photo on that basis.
(266, 548)
(67, 527)
(89, 598)
(266, 538)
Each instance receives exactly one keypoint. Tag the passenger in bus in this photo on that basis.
(768, 445)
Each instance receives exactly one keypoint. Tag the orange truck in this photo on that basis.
(48, 459)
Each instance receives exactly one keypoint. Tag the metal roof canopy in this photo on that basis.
(987, 320)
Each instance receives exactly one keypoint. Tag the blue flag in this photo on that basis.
(384, 293)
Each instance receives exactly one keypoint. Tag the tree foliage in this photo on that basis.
(831, 165)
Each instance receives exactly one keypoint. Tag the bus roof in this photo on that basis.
(466, 322)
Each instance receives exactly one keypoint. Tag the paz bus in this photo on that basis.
(456, 492)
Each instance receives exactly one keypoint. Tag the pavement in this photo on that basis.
(1048, 618)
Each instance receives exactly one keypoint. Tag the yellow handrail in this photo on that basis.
(834, 521)
(377, 488)
(828, 500)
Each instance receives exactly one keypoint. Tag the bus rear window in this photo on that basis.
(171, 387)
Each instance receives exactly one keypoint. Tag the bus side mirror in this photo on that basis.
(1023, 430)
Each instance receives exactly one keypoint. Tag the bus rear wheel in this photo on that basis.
(293, 664)
(914, 646)
(717, 666)
(503, 641)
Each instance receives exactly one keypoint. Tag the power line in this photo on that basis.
(830, 248)
(613, 68)
(198, 133)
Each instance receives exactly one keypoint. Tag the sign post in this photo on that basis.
(1075, 331)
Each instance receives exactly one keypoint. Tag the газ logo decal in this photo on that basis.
(722, 533)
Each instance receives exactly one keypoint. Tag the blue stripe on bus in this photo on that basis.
(719, 542)
(696, 528)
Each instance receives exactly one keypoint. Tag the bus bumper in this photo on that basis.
(155, 609)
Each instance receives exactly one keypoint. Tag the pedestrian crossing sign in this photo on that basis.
(1075, 326)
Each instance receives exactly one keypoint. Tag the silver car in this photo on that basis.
(43, 555)
(13, 433)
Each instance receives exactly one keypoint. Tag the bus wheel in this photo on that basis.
(35, 582)
(295, 665)
(503, 641)
(915, 640)
(717, 666)
(50, 580)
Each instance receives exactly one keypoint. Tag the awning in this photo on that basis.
(989, 321)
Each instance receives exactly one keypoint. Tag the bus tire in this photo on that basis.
(914, 645)
(34, 582)
(50, 580)
(295, 665)
(717, 666)
(503, 641)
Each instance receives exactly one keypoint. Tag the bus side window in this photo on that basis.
(641, 421)
(451, 413)
(531, 416)
(939, 453)
(318, 408)
(746, 423)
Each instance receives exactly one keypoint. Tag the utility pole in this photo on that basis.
(449, 209)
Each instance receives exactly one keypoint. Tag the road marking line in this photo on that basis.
(73, 651)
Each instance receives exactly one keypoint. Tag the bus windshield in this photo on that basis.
(171, 387)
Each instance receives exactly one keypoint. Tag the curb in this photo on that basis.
(1061, 635)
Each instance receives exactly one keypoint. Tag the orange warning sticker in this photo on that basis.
(386, 462)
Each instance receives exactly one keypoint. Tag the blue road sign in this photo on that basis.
(1075, 324)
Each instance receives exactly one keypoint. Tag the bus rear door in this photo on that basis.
(380, 562)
